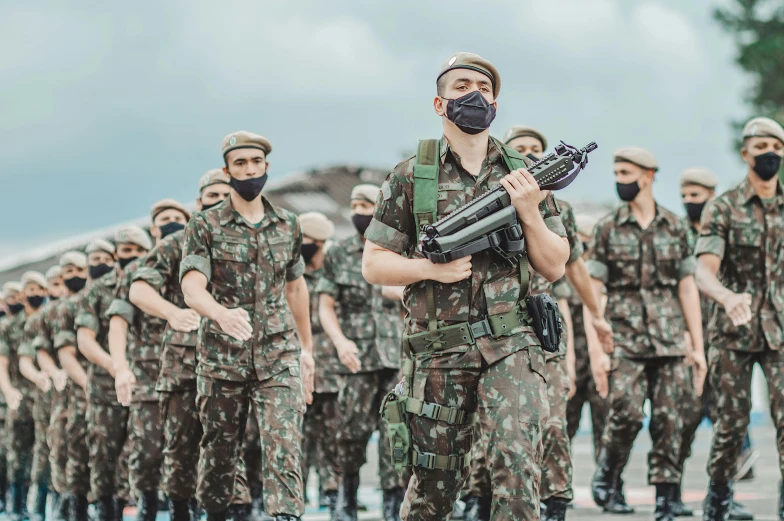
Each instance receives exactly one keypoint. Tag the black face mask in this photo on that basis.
(308, 251)
(2, 313)
(96, 272)
(205, 207)
(628, 191)
(54, 299)
(170, 228)
(694, 211)
(249, 189)
(471, 113)
(75, 284)
(36, 301)
(767, 165)
(361, 222)
(15, 308)
(124, 262)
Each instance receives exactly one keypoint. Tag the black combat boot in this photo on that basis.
(179, 510)
(54, 504)
(738, 512)
(665, 496)
(39, 508)
(217, 516)
(3, 485)
(469, 510)
(239, 512)
(331, 497)
(616, 502)
(119, 507)
(716, 505)
(603, 478)
(63, 507)
(104, 509)
(346, 509)
(17, 497)
(195, 511)
(480, 508)
(679, 509)
(391, 504)
(286, 517)
(77, 508)
(555, 509)
(147, 506)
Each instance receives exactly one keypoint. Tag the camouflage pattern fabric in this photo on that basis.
(319, 434)
(251, 451)
(502, 379)
(107, 428)
(57, 440)
(327, 378)
(42, 410)
(145, 436)
(557, 462)
(182, 434)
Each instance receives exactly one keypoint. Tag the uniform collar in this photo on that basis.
(748, 193)
(625, 215)
(227, 214)
(493, 149)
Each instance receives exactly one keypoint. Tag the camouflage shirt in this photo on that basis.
(494, 287)
(11, 340)
(145, 336)
(641, 270)
(748, 236)
(246, 266)
(706, 304)
(360, 307)
(540, 284)
(91, 315)
(327, 379)
(178, 354)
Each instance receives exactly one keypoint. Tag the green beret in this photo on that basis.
(520, 131)
(100, 245)
(216, 176)
(133, 235)
(168, 204)
(637, 156)
(474, 62)
(365, 192)
(763, 127)
(316, 225)
(12, 288)
(74, 258)
(34, 277)
(54, 272)
(244, 139)
(699, 176)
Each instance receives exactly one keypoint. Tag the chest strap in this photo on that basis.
(452, 463)
(441, 413)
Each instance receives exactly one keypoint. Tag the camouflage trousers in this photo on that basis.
(56, 439)
(145, 439)
(107, 434)
(224, 406)
(693, 410)
(586, 392)
(632, 381)
(77, 469)
(359, 402)
(730, 373)
(320, 448)
(510, 401)
(42, 410)
(251, 451)
(20, 438)
(557, 462)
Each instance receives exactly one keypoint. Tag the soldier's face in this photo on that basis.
(629, 173)
(57, 288)
(16, 298)
(695, 194)
(213, 194)
(527, 145)
(755, 146)
(362, 207)
(130, 251)
(459, 82)
(170, 215)
(72, 271)
(246, 163)
(97, 258)
(34, 290)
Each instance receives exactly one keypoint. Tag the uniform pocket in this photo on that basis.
(668, 253)
(623, 263)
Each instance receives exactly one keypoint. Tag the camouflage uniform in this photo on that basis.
(747, 235)
(501, 380)
(641, 270)
(107, 420)
(247, 266)
(374, 324)
(321, 422)
(3, 431)
(145, 428)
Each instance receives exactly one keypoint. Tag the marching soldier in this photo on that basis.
(740, 269)
(495, 374)
(248, 251)
(12, 305)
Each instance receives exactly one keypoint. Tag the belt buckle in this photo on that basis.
(481, 328)
(426, 460)
(431, 410)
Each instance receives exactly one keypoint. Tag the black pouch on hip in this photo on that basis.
(546, 321)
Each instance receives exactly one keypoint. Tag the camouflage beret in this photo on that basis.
(54, 272)
(34, 277)
(244, 139)
(100, 245)
(763, 127)
(699, 176)
(216, 176)
(133, 235)
(316, 225)
(474, 62)
(365, 192)
(12, 288)
(73, 258)
(520, 131)
(585, 223)
(168, 204)
(637, 156)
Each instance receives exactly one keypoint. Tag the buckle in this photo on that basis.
(481, 328)
(431, 410)
(398, 454)
(426, 460)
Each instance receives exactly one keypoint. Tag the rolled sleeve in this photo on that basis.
(561, 289)
(296, 271)
(197, 247)
(121, 308)
(327, 287)
(710, 244)
(714, 229)
(687, 268)
(387, 237)
(26, 349)
(5, 350)
(393, 226)
(87, 320)
(150, 276)
(555, 225)
(598, 270)
(64, 339)
(41, 342)
(196, 263)
(575, 253)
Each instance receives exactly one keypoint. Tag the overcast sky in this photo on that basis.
(107, 107)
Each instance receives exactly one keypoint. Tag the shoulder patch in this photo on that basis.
(386, 192)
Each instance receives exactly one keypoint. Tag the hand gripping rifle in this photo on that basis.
(490, 222)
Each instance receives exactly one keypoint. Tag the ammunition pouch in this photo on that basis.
(546, 321)
(393, 410)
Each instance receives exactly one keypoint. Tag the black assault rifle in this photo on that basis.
(490, 222)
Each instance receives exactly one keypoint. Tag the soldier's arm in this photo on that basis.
(563, 305)
(26, 352)
(299, 303)
(328, 293)
(580, 279)
(28, 369)
(71, 365)
(46, 363)
(88, 345)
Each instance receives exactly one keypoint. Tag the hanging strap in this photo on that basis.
(514, 161)
(426, 206)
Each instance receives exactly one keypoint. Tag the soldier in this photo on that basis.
(38, 334)
(498, 375)
(739, 268)
(12, 304)
(19, 394)
(156, 290)
(642, 253)
(320, 426)
(136, 368)
(99, 262)
(107, 420)
(366, 334)
(248, 251)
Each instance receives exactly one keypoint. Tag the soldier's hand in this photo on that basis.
(524, 193)
(570, 371)
(43, 383)
(605, 334)
(123, 384)
(184, 320)
(60, 380)
(699, 371)
(347, 352)
(13, 398)
(236, 323)
(307, 370)
(451, 272)
(738, 308)
(600, 368)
